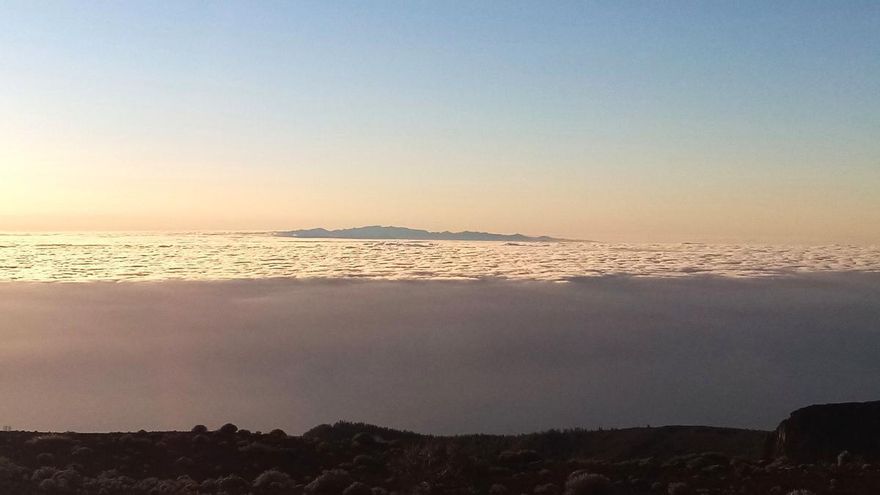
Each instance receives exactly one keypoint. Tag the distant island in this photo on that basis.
(382, 232)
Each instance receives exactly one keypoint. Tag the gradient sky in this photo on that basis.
(639, 121)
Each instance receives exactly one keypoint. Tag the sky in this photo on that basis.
(717, 121)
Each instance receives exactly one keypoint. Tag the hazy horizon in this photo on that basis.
(640, 241)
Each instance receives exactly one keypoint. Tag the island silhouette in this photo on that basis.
(405, 233)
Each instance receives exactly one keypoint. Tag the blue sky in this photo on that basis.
(747, 121)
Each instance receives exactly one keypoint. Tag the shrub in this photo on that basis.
(497, 489)
(272, 481)
(546, 489)
(583, 483)
(147, 485)
(208, 486)
(233, 485)
(51, 479)
(513, 457)
(678, 488)
(110, 482)
(43, 473)
(199, 429)
(201, 439)
(357, 488)
(185, 483)
(363, 439)
(366, 461)
(10, 471)
(258, 448)
(228, 429)
(82, 452)
(50, 442)
(331, 482)
(278, 433)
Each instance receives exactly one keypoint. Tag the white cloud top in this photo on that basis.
(116, 257)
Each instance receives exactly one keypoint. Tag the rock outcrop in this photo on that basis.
(821, 432)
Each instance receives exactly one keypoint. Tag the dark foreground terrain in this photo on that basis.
(360, 459)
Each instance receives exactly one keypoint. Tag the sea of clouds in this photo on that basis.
(441, 357)
(74, 257)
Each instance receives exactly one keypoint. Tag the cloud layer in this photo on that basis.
(444, 357)
(84, 257)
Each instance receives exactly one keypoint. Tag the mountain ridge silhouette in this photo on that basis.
(405, 233)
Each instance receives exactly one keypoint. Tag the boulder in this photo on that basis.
(821, 432)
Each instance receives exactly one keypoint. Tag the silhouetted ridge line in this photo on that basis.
(404, 233)
(348, 458)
